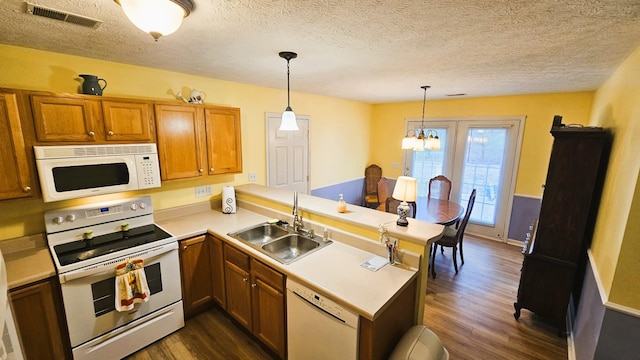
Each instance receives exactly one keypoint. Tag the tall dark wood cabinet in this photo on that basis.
(556, 256)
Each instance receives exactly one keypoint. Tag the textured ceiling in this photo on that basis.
(374, 51)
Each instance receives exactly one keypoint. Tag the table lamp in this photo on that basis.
(406, 189)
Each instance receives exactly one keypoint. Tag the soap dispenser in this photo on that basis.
(342, 206)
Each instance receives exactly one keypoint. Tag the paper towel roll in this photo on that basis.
(228, 200)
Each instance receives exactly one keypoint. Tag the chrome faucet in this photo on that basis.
(297, 219)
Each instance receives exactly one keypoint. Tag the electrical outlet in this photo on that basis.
(252, 177)
(209, 190)
(201, 191)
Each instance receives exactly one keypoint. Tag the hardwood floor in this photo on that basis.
(471, 312)
(210, 335)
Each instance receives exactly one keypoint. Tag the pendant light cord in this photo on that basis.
(289, 92)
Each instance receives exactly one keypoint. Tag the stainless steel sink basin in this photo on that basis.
(280, 243)
(260, 234)
(290, 247)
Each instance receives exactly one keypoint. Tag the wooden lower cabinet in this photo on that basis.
(378, 338)
(255, 298)
(196, 275)
(217, 266)
(39, 316)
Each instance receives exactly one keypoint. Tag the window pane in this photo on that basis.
(483, 162)
(429, 163)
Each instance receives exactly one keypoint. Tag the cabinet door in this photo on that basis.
(181, 141)
(217, 267)
(39, 325)
(14, 168)
(65, 119)
(238, 293)
(127, 120)
(268, 306)
(224, 145)
(195, 267)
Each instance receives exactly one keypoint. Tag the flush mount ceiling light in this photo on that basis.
(426, 139)
(288, 122)
(156, 17)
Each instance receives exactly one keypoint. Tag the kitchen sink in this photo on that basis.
(281, 243)
(260, 234)
(290, 247)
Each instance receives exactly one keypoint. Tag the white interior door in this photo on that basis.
(288, 155)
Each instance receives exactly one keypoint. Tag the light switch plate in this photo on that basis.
(252, 177)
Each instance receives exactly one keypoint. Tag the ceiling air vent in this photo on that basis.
(62, 16)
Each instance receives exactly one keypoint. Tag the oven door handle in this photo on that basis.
(109, 266)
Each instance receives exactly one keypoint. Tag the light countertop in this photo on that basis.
(334, 270)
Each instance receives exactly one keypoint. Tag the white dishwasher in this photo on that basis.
(317, 327)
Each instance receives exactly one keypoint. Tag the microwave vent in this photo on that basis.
(71, 151)
(60, 15)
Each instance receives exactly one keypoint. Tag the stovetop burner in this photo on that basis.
(76, 251)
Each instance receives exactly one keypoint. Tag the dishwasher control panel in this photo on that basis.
(322, 302)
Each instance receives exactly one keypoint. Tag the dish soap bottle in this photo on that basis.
(342, 206)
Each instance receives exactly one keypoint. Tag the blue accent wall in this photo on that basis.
(351, 190)
(600, 332)
(523, 212)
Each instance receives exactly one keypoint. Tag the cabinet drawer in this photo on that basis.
(236, 257)
(267, 274)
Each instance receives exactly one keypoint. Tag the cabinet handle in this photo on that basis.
(245, 279)
(184, 247)
(254, 285)
(110, 133)
(201, 171)
(91, 133)
(211, 169)
(27, 188)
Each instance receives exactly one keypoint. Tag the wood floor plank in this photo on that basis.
(471, 312)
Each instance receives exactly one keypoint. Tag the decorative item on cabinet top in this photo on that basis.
(91, 84)
(196, 97)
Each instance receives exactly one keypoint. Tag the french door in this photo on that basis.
(475, 153)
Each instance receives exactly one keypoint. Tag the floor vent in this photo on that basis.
(62, 16)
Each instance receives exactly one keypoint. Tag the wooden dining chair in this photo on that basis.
(453, 238)
(391, 206)
(372, 175)
(439, 188)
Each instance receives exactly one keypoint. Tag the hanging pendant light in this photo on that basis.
(425, 140)
(288, 122)
(156, 17)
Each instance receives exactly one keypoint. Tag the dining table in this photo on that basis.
(438, 211)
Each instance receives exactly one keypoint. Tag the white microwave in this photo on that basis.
(74, 171)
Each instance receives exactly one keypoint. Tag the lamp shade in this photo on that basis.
(288, 122)
(406, 188)
(156, 17)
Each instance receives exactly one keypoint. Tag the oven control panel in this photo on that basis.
(91, 214)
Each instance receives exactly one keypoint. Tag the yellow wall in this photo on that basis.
(388, 127)
(616, 242)
(336, 155)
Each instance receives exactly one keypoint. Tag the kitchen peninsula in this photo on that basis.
(334, 271)
(387, 301)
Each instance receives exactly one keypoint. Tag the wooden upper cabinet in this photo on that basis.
(224, 145)
(78, 119)
(15, 176)
(181, 141)
(58, 118)
(194, 140)
(127, 120)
